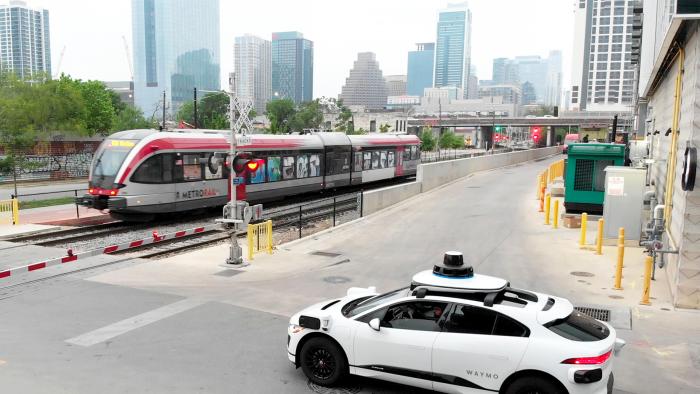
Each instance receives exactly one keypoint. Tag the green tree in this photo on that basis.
(449, 140)
(308, 116)
(384, 128)
(31, 110)
(345, 119)
(212, 112)
(100, 111)
(131, 118)
(427, 140)
(280, 112)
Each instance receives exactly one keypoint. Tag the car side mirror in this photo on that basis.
(374, 323)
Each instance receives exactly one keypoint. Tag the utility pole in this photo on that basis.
(439, 123)
(163, 126)
(195, 108)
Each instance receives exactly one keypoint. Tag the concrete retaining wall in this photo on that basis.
(376, 200)
(432, 175)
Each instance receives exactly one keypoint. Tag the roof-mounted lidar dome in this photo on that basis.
(453, 266)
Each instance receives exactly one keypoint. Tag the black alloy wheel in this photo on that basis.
(322, 361)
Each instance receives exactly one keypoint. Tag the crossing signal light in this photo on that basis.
(253, 165)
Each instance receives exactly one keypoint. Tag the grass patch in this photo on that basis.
(46, 203)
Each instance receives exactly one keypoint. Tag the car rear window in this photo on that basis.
(579, 327)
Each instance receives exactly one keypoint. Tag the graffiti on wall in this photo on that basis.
(55, 160)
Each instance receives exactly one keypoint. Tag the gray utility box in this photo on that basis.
(623, 201)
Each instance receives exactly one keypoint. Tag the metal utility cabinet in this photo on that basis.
(585, 176)
(624, 200)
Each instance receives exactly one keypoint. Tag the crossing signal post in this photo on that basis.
(237, 214)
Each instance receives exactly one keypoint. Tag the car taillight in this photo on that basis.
(113, 192)
(589, 360)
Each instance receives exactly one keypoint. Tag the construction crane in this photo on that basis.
(128, 57)
(60, 62)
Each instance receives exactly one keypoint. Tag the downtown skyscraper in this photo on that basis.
(25, 44)
(420, 68)
(253, 65)
(603, 75)
(365, 86)
(176, 48)
(453, 48)
(292, 67)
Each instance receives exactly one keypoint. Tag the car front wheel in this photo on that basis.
(322, 361)
(534, 385)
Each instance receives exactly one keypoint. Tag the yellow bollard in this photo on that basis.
(251, 251)
(621, 246)
(599, 238)
(556, 214)
(547, 205)
(269, 236)
(648, 264)
(542, 200)
(539, 185)
(584, 220)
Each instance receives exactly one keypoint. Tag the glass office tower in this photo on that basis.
(453, 47)
(176, 48)
(292, 67)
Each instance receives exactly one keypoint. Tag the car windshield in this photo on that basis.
(355, 308)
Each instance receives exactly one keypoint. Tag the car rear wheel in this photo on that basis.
(322, 361)
(534, 385)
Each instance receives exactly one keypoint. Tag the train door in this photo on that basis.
(399, 160)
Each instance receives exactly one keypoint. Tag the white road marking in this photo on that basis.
(132, 323)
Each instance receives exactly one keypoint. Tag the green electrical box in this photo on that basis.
(585, 175)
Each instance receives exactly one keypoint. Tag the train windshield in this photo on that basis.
(108, 160)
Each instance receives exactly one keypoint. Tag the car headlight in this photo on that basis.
(295, 329)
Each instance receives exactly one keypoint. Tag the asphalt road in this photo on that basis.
(167, 327)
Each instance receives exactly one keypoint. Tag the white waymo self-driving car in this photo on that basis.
(456, 332)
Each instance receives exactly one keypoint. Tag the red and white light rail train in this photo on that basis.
(136, 174)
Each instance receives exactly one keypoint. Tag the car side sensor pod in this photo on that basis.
(453, 266)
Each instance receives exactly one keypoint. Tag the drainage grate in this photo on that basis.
(228, 273)
(345, 389)
(325, 254)
(596, 313)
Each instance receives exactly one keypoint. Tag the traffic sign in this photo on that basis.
(239, 180)
(243, 139)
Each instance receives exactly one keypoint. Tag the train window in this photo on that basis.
(406, 153)
(216, 164)
(390, 159)
(382, 160)
(191, 167)
(414, 152)
(274, 170)
(288, 167)
(167, 168)
(302, 166)
(358, 162)
(259, 175)
(375, 160)
(367, 161)
(314, 165)
(337, 163)
(150, 171)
